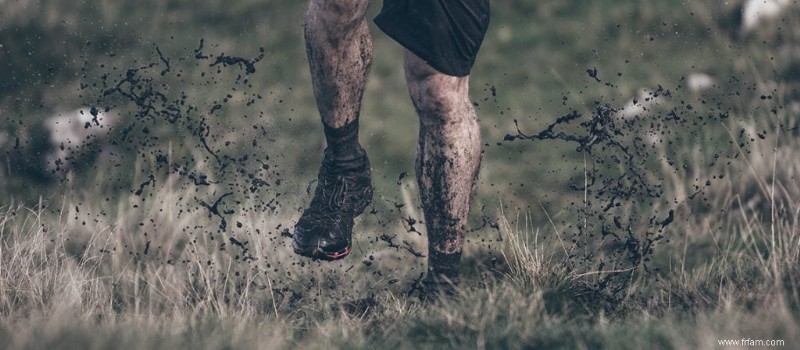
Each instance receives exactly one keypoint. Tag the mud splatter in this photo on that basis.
(213, 209)
(151, 180)
(153, 112)
(248, 65)
(615, 230)
(624, 212)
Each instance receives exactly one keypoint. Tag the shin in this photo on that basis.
(339, 49)
(448, 159)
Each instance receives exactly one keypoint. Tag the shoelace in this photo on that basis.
(337, 198)
(332, 193)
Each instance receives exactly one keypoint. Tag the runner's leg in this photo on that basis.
(448, 159)
(339, 49)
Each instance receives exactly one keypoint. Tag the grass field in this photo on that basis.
(161, 234)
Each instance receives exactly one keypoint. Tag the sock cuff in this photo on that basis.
(446, 264)
(343, 134)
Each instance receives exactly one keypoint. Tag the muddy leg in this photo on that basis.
(339, 49)
(448, 158)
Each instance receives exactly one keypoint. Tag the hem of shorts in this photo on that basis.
(426, 55)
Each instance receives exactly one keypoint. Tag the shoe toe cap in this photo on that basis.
(303, 240)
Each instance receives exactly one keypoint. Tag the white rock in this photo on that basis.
(756, 11)
(70, 131)
(699, 81)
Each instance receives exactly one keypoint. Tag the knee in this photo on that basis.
(417, 71)
(336, 14)
(435, 95)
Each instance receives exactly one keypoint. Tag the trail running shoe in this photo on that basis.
(325, 229)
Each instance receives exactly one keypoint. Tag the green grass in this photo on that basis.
(82, 279)
(86, 263)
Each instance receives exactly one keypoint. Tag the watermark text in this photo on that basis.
(751, 342)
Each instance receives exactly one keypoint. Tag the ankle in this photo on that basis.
(444, 265)
(342, 142)
(355, 162)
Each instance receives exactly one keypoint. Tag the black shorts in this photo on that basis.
(445, 33)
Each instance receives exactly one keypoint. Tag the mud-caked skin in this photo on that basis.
(324, 231)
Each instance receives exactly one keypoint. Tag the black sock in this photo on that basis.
(343, 147)
(444, 264)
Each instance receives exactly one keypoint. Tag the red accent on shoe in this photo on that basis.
(332, 256)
